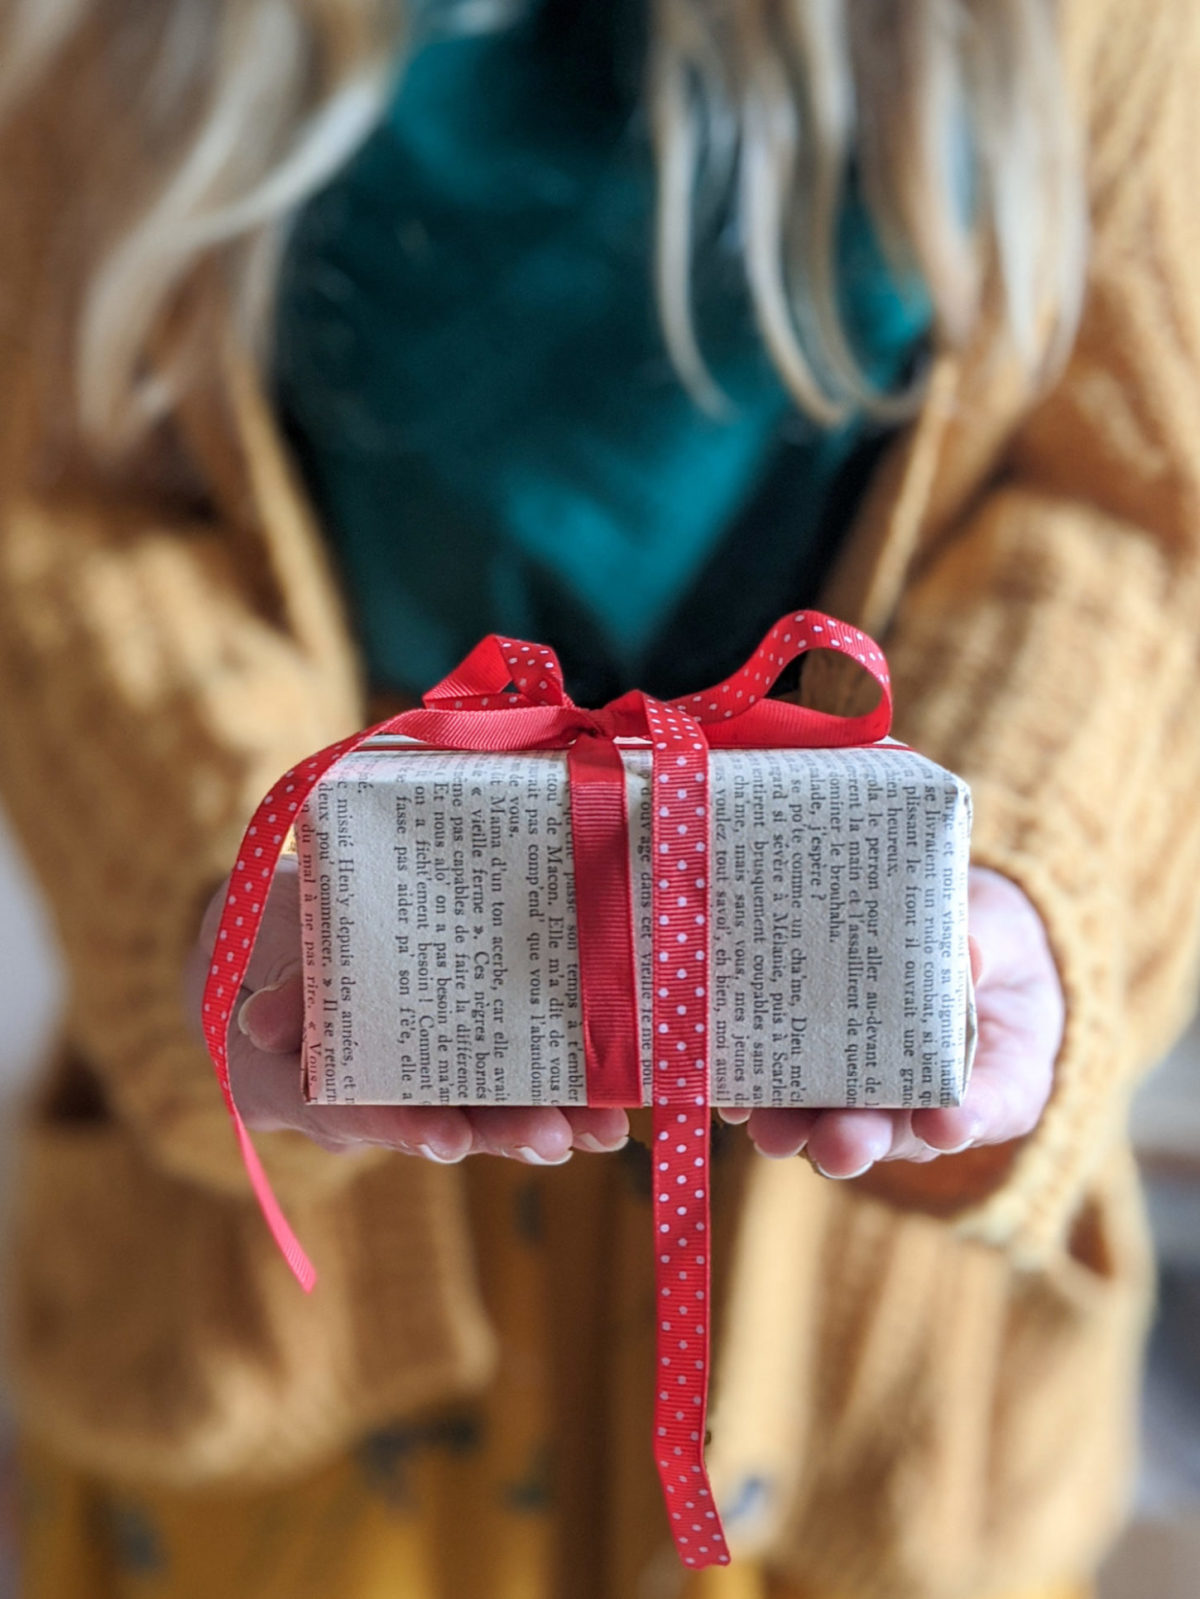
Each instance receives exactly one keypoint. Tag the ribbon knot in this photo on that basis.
(509, 695)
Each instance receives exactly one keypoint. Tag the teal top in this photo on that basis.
(471, 368)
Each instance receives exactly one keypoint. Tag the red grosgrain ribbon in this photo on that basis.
(509, 695)
(604, 922)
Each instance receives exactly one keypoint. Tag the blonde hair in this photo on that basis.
(952, 114)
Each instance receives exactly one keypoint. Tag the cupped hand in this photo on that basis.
(1021, 1011)
(264, 1066)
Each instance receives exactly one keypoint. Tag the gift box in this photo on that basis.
(508, 898)
(441, 944)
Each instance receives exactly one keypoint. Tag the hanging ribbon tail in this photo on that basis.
(280, 1228)
(241, 917)
(682, 1125)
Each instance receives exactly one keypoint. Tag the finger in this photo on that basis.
(433, 1132)
(845, 1143)
(267, 1091)
(1004, 1101)
(439, 1132)
(598, 1129)
(975, 955)
(906, 1145)
(1006, 1095)
(733, 1115)
(539, 1136)
(950, 1130)
(1011, 1080)
(273, 1018)
(780, 1134)
(345, 1128)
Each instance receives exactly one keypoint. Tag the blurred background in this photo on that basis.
(1159, 1557)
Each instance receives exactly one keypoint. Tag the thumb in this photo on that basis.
(273, 1017)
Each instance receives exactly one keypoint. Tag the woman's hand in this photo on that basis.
(264, 1064)
(1020, 1006)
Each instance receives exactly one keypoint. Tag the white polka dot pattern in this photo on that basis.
(241, 917)
(509, 695)
(680, 842)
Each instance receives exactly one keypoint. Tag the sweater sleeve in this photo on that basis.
(147, 701)
(1047, 645)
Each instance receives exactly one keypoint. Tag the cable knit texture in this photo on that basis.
(945, 1382)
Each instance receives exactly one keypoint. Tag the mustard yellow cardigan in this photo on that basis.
(953, 1356)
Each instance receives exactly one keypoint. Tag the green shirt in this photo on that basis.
(471, 367)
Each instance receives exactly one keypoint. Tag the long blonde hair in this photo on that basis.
(953, 114)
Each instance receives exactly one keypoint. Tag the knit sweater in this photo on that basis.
(943, 1366)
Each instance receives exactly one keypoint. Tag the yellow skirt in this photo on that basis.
(543, 1489)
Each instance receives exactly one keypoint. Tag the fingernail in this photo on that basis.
(957, 1150)
(767, 1154)
(532, 1158)
(843, 1177)
(443, 1160)
(245, 1020)
(595, 1147)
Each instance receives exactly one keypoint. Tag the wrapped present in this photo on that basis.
(731, 899)
(443, 963)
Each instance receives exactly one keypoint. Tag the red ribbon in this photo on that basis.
(509, 695)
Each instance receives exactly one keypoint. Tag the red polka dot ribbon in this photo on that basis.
(509, 695)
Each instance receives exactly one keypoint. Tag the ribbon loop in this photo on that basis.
(509, 695)
(754, 721)
(494, 663)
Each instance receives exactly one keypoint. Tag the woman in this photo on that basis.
(867, 230)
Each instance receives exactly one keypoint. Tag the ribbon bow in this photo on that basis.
(509, 695)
